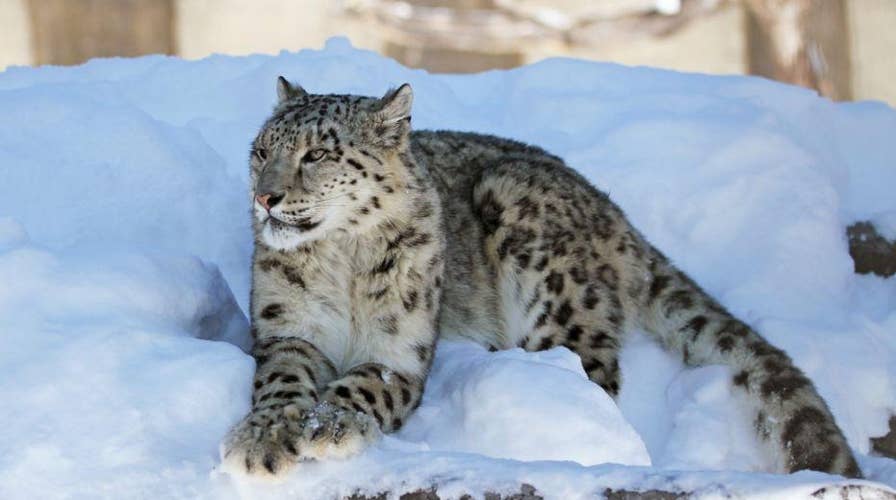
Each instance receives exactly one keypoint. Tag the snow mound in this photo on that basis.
(519, 405)
(106, 386)
(125, 249)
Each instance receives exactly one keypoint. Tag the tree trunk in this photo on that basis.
(803, 42)
(73, 31)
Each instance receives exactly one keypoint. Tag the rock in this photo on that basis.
(871, 252)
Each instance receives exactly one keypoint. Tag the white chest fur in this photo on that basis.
(330, 305)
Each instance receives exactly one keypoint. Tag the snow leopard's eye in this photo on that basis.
(314, 155)
(260, 153)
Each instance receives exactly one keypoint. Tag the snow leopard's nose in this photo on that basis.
(269, 200)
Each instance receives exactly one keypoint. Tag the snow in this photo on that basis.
(885, 223)
(125, 250)
(474, 400)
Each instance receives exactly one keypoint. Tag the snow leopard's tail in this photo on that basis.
(789, 414)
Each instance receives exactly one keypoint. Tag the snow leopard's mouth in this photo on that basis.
(301, 224)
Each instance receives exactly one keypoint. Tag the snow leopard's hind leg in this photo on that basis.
(552, 239)
(790, 415)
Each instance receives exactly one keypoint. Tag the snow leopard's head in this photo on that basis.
(324, 163)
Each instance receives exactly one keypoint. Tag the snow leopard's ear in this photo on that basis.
(396, 104)
(287, 91)
(392, 117)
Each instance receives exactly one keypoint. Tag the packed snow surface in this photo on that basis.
(125, 246)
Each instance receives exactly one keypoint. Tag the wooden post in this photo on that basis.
(804, 42)
(72, 31)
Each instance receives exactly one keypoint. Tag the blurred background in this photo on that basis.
(842, 48)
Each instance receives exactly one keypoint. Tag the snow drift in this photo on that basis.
(125, 241)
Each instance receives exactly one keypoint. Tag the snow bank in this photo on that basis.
(106, 386)
(124, 227)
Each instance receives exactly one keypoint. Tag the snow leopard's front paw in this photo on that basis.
(264, 444)
(331, 432)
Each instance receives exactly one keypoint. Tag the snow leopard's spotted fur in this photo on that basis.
(378, 239)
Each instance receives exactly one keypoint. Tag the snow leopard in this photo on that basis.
(373, 241)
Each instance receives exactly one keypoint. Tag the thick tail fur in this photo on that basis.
(790, 416)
